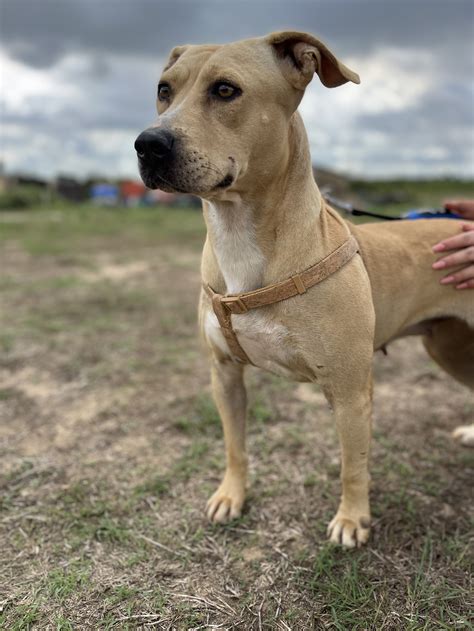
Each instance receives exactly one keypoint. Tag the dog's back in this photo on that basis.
(405, 289)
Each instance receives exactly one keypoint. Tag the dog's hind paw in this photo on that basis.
(465, 435)
(348, 532)
(226, 503)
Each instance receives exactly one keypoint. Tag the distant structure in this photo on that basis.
(132, 193)
(105, 194)
(135, 193)
(70, 188)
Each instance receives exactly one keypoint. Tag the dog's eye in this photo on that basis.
(164, 92)
(225, 91)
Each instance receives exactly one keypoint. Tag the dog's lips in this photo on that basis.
(230, 178)
(226, 182)
(153, 179)
(150, 181)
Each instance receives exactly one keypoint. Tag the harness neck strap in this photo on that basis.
(224, 305)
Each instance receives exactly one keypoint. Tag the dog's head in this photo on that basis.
(224, 111)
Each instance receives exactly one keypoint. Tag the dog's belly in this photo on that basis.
(266, 343)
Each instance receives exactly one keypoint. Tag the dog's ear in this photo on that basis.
(175, 54)
(301, 55)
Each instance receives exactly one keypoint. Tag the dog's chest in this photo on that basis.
(266, 343)
(241, 262)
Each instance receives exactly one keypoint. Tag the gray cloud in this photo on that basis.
(101, 60)
(437, 130)
(39, 33)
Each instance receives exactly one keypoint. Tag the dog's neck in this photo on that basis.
(255, 238)
(232, 232)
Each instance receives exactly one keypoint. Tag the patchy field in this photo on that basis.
(110, 446)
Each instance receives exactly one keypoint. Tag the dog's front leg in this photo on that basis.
(353, 412)
(229, 394)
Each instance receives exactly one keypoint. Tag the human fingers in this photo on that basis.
(463, 279)
(462, 240)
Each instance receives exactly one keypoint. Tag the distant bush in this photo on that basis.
(23, 196)
(413, 192)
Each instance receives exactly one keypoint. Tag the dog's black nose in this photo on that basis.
(154, 143)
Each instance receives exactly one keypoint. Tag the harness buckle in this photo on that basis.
(234, 304)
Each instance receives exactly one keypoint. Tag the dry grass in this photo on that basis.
(110, 446)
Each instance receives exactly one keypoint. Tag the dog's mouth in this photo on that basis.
(226, 182)
(230, 178)
(156, 181)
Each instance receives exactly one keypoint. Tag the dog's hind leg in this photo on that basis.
(451, 345)
(229, 394)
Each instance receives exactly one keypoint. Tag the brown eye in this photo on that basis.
(164, 92)
(225, 91)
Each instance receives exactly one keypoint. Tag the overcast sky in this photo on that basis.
(78, 79)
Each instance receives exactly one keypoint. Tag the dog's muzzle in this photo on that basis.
(166, 163)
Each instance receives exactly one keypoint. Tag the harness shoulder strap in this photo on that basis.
(225, 305)
(223, 316)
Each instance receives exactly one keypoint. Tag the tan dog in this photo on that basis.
(228, 131)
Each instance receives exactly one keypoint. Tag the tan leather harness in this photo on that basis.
(225, 305)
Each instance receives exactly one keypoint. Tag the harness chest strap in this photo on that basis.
(226, 305)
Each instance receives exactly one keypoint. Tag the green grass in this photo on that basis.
(63, 582)
(7, 393)
(122, 593)
(158, 486)
(260, 412)
(63, 624)
(25, 616)
(354, 598)
(76, 230)
(205, 419)
(348, 592)
(89, 514)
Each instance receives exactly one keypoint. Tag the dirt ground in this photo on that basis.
(110, 446)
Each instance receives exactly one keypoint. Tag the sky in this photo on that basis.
(78, 80)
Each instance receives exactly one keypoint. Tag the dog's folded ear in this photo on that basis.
(175, 54)
(301, 55)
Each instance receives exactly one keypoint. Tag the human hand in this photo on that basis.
(462, 207)
(464, 243)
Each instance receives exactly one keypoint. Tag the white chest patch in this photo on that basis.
(233, 237)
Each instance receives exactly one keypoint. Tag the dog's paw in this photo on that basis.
(465, 435)
(351, 533)
(226, 503)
